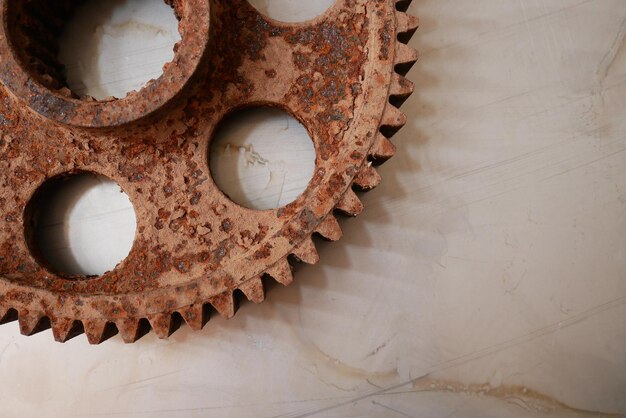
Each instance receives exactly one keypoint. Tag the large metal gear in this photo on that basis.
(341, 75)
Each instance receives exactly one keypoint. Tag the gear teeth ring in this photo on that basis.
(342, 75)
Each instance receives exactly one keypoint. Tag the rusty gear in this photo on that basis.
(340, 75)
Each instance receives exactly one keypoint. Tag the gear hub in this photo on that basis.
(341, 75)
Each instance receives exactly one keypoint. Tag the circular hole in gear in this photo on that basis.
(80, 224)
(109, 48)
(292, 11)
(95, 48)
(262, 158)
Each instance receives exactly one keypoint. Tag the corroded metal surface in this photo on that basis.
(340, 75)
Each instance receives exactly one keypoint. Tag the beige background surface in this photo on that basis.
(486, 278)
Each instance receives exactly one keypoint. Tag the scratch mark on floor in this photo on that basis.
(148, 379)
(391, 409)
(609, 58)
(382, 346)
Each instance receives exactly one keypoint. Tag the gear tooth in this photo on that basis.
(405, 58)
(281, 272)
(368, 178)
(350, 204)
(330, 228)
(253, 289)
(33, 323)
(400, 90)
(99, 330)
(306, 252)
(224, 304)
(407, 25)
(383, 149)
(393, 119)
(164, 325)
(65, 329)
(196, 316)
(132, 329)
(8, 315)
